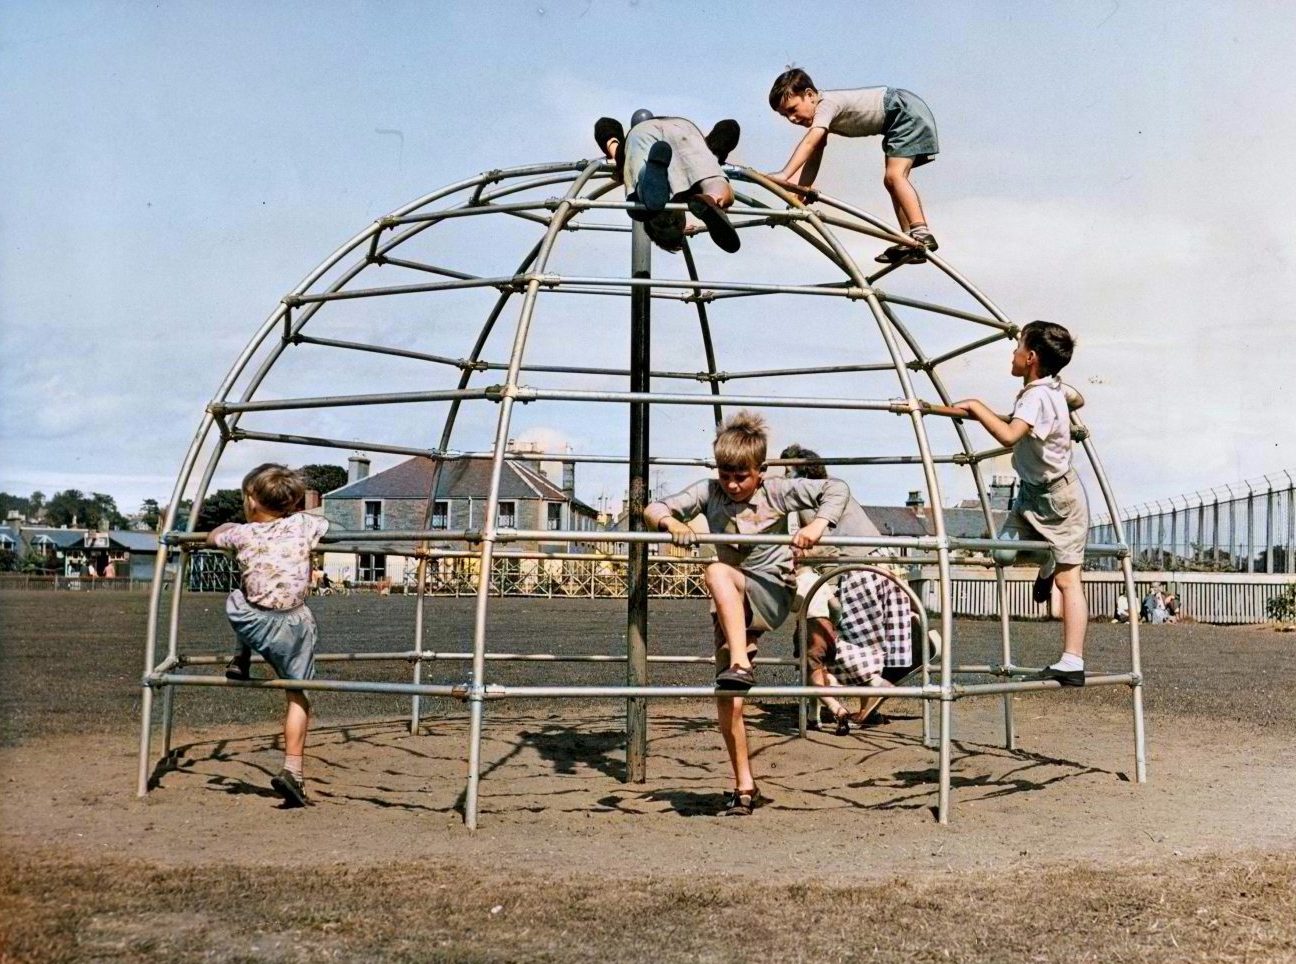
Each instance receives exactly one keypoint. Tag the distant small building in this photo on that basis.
(76, 552)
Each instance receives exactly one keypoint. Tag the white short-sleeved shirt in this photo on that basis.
(859, 112)
(275, 557)
(1044, 453)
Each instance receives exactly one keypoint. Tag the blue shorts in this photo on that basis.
(910, 129)
(283, 638)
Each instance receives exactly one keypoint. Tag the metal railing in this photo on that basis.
(1245, 526)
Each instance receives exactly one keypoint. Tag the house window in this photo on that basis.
(6, 542)
(371, 567)
(555, 516)
(440, 515)
(507, 516)
(373, 515)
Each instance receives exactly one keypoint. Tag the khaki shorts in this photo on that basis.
(766, 606)
(1057, 513)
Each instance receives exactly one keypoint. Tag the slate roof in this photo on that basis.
(62, 538)
(412, 478)
(896, 520)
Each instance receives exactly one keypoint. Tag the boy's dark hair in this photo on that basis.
(275, 487)
(813, 467)
(794, 80)
(1051, 342)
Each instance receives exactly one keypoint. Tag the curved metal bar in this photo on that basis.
(492, 502)
(933, 487)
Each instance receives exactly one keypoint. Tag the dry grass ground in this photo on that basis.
(1054, 853)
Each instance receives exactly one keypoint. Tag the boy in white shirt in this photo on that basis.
(909, 140)
(1050, 503)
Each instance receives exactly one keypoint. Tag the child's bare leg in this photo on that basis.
(296, 723)
(908, 208)
(729, 712)
(819, 633)
(728, 588)
(1075, 609)
(718, 189)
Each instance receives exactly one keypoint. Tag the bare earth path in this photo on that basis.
(1053, 854)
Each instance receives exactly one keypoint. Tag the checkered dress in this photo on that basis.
(875, 628)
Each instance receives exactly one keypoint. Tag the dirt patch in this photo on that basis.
(1054, 852)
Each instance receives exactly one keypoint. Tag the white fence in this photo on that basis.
(1207, 597)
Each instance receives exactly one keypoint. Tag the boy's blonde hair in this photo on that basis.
(740, 443)
(275, 487)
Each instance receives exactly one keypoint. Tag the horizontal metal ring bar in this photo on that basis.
(239, 434)
(942, 310)
(1025, 686)
(965, 349)
(705, 285)
(526, 394)
(459, 363)
(737, 210)
(507, 281)
(341, 401)
(428, 656)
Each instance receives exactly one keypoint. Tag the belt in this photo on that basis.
(1068, 476)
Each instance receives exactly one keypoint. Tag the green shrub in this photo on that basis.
(1283, 606)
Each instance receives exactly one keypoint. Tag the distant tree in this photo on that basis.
(14, 503)
(150, 513)
(8, 560)
(223, 505)
(72, 507)
(323, 478)
(37, 500)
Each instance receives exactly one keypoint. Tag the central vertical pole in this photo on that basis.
(637, 561)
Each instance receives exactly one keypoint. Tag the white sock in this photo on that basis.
(293, 764)
(1069, 663)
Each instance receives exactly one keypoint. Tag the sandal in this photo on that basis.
(741, 803)
(843, 722)
(736, 678)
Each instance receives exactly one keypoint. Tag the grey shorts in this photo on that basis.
(910, 129)
(768, 602)
(283, 638)
(691, 160)
(1057, 513)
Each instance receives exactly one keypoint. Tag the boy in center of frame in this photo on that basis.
(751, 587)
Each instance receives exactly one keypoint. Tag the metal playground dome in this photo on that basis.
(400, 343)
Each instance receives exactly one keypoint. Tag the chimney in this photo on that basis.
(915, 500)
(569, 480)
(357, 468)
(1001, 491)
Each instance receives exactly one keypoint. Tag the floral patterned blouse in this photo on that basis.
(275, 557)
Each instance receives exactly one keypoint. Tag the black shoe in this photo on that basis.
(239, 668)
(654, 183)
(722, 231)
(1067, 677)
(896, 254)
(736, 678)
(605, 129)
(1042, 591)
(290, 788)
(741, 803)
(723, 138)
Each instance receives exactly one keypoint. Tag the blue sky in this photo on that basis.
(171, 170)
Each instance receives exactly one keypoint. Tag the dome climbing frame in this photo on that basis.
(519, 206)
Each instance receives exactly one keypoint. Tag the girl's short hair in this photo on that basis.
(275, 487)
(794, 80)
(813, 467)
(740, 443)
